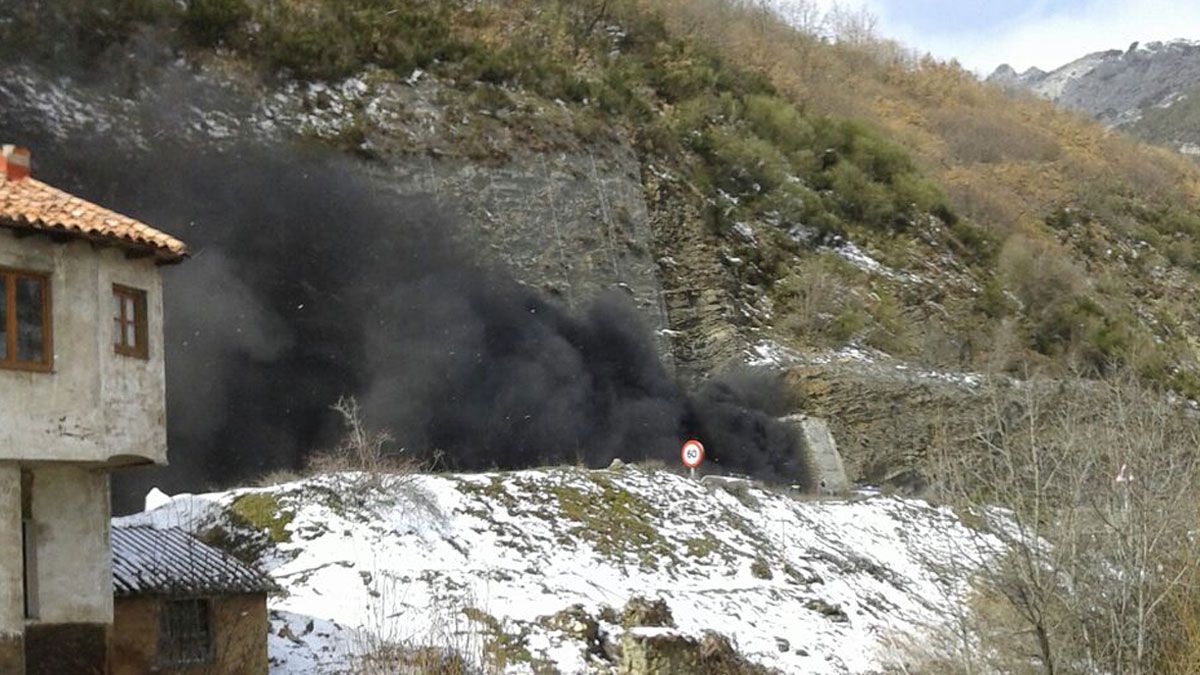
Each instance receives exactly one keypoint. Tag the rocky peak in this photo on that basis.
(1120, 88)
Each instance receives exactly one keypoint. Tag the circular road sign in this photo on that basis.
(692, 454)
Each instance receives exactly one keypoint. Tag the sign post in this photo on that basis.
(692, 454)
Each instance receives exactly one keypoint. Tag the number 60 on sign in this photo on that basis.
(692, 454)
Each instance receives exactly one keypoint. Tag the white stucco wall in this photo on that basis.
(12, 598)
(71, 518)
(96, 405)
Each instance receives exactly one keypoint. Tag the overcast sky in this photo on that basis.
(1024, 33)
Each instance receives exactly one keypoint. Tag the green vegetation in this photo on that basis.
(261, 512)
(255, 523)
(702, 547)
(240, 544)
(613, 521)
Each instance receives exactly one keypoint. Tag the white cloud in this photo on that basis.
(1048, 34)
(1048, 37)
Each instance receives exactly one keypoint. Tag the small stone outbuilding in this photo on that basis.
(182, 607)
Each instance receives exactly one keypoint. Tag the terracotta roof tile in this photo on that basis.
(32, 204)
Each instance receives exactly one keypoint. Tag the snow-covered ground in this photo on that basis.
(479, 561)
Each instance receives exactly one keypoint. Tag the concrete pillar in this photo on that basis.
(828, 471)
(74, 571)
(12, 592)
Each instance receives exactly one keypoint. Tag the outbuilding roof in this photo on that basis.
(28, 203)
(170, 562)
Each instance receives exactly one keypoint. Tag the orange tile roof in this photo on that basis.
(28, 203)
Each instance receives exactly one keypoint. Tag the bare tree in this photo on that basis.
(362, 449)
(1087, 508)
(805, 16)
(855, 26)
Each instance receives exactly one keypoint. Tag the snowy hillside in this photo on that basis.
(483, 563)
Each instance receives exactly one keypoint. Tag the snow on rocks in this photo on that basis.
(770, 354)
(323, 109)
(57, 102)
(483, 562)
(854, 255)
(156, 498)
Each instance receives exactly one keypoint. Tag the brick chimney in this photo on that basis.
(14, 163)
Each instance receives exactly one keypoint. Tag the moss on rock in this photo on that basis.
(261, 512)
(614, 521)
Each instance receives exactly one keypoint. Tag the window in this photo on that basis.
(130, 336)
(184, 633)
(25, 320)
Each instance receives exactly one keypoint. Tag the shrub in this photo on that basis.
(818, 301)
(861, 199)
(210, 22)
(1039, 273)
(745, 164)
(363, 450)
(327, 40)
(779, 122)
(890, 329)
(987, 135)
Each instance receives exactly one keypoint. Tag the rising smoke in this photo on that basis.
(310, 281)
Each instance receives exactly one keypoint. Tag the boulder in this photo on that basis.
(641, 612)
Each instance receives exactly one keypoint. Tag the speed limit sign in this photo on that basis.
(692, 454)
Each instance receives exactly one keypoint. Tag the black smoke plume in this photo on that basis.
(310, 281)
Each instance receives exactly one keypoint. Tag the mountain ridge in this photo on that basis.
(1118, 87)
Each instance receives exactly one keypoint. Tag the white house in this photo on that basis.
(81, 394)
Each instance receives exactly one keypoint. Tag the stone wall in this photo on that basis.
(239, 624)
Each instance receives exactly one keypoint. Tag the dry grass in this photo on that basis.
(444, 642)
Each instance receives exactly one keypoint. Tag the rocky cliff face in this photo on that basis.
(508, 177)
(1133, 89)
(571, 221)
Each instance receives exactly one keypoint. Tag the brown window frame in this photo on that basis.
(10, 362)
(141, 331)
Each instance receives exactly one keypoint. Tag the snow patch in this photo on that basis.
(838, 580)
(769, 354)
(859, 258)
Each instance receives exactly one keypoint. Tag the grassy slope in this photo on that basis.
(1094, 235)
(1036, 238)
